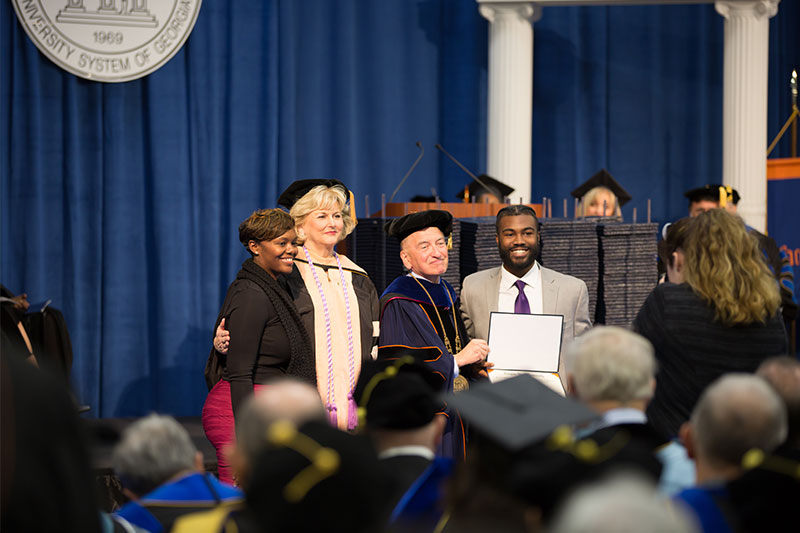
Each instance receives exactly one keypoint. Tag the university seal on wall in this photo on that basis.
(108, 40)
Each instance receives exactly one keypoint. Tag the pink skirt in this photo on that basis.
(219, 426)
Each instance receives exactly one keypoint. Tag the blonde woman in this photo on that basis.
(601, 196)
(336, 301)
(718, 313)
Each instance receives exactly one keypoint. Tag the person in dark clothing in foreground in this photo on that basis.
(719, 313)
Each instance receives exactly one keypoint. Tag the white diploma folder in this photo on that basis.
(526, 344)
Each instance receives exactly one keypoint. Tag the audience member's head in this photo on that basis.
(620, 504)
(725, 267)
(316, 478)
(285, 399)
(735, 414)
(610, 367)
(671, 249)
(398, 400)
(783, 374)
(153, 450)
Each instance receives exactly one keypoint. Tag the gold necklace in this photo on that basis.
(441, 322)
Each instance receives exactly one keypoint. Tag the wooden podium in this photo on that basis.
(457, 209)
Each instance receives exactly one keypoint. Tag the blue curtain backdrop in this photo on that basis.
(120, 202)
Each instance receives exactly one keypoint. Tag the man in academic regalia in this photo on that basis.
(421, 309)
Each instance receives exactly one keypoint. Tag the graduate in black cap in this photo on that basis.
(487, 190)
(421, 309)
(524, 458)
(308, 477)
(601, 195)
(336, 300)
(401, 411)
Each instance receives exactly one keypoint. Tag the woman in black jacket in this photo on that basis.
(268, 339)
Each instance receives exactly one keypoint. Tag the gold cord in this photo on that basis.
(441, 322)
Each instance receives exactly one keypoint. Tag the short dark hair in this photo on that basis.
(514, 210)
(264, 225)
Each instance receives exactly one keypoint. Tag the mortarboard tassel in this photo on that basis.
(353, 208)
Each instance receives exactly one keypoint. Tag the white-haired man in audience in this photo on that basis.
(736, 415)
(162, 472)
(612, 370)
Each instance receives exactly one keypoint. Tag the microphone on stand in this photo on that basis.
(465, 169)
(410, 170)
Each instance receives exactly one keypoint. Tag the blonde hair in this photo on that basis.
(322, 197)
(725, 267)
(589, 197)
(264, 225)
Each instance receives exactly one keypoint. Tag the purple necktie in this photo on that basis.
(521, 303)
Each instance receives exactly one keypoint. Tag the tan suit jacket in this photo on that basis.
(561, 295)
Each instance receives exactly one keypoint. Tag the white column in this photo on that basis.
(510, 92)
(744, 104)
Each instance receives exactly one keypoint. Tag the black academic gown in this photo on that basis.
(366, 300)
(408, 318)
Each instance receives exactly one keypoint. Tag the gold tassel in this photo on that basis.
(353, 208)
(450, 242)
(466, 194)
(723, 198)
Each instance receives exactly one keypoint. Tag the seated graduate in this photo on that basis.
(162, 472)
(601, 196)
(523, 458)
(766, 495)
(486, 191)
(515, 465)
(402, 414)
(737, 417)
(421, 309)
(306, 477)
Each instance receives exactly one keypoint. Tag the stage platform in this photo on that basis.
(104, 433)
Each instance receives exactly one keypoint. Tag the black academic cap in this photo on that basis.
(300, 188)
(309, 477)
(714, 192)
(398, 393)
(544, 474)
(423, 198)
(406, 225)
(498, 188)
(518, 412)
(603, 179)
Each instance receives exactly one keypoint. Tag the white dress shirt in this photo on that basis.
(533, 290)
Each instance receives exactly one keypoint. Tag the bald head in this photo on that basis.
(736, 413)
(287, 399)
(783, 375)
